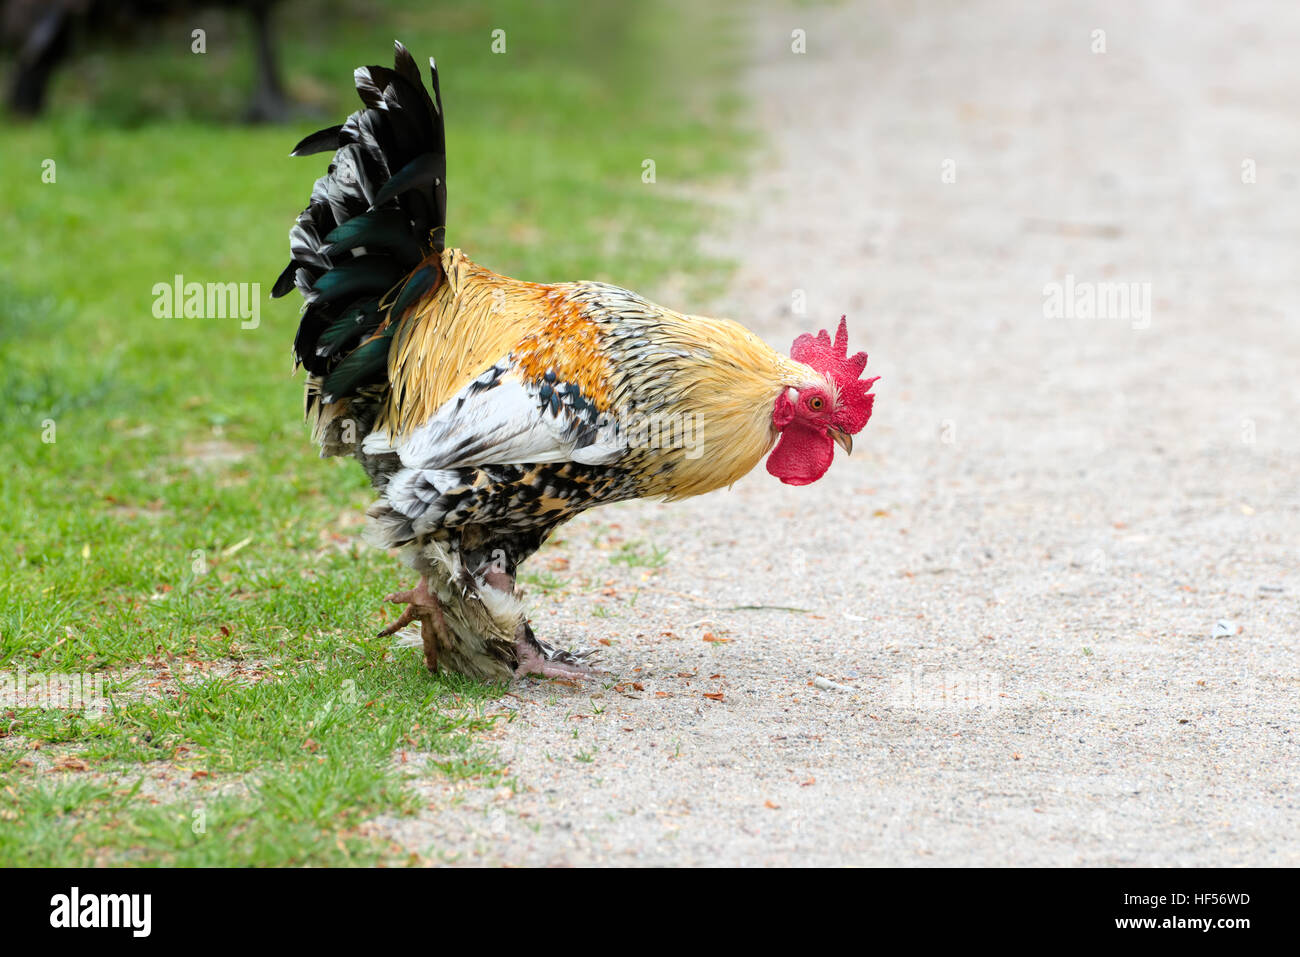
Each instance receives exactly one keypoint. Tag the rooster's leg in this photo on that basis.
(497, 577)
(422, 604)
(532, 659)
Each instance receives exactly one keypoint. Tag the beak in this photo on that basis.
(842, 439)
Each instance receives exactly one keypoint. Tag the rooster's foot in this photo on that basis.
(421, 604)
(531, 662)
(548, 662)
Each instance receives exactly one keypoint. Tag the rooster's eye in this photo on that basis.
(816, 403)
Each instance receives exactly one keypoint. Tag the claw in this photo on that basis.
(406, 618)
(424, 606)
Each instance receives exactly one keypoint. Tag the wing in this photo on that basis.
(509, 452)
(507, 417)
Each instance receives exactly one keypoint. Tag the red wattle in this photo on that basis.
(801, 456)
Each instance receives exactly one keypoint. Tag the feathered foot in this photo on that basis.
(534, 657)
(421, 604)
(538, 658)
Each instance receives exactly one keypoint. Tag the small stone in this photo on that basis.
(827, 685)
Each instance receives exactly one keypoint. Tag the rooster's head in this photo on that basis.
(831, 407)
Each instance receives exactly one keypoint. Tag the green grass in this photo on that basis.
(543, 581)
(640, 555)
(160, 503)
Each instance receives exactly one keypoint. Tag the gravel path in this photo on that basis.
(1000, 648)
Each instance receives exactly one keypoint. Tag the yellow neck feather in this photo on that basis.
(727, 385)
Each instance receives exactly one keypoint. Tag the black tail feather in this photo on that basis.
(318, 142)
(349, 329)
(377, 213)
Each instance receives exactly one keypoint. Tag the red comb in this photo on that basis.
(833, 359)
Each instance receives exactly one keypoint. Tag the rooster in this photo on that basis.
(488, 411)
